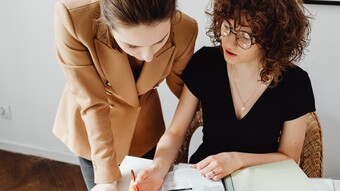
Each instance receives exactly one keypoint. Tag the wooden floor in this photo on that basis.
(20, 172)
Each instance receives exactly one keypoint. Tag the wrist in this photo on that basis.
(239, 159)
(160, 169)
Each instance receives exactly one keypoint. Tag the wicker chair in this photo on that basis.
(311, 160)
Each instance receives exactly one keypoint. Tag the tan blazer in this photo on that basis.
(103, 113)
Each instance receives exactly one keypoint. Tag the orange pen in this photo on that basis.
(134, 179)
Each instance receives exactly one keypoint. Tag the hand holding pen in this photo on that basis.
(134, 179)
(149, 179)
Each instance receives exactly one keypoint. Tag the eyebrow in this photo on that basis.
(244, 26)
(152, 44)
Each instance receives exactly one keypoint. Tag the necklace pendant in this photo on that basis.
(243, 108)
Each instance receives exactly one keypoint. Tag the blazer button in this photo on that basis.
(111, 105)
(108, 92)
(156, 86)
(107, 83)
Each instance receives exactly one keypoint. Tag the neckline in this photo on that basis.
(252, 108)
(244, 107)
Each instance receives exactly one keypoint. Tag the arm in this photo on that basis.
(290, 147)
(185, 31)
(167, 147)
(85, 85)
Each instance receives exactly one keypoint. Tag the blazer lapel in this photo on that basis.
(156, 70)
(116, 68)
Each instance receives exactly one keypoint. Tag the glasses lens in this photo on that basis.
(243, 40)
(225, 29)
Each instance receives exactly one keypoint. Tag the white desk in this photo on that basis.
(325, 184)
(336, 185)
(138, 164)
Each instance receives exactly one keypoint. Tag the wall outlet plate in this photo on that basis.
(5, 112)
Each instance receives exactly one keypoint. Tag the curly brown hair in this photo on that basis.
(280, 27)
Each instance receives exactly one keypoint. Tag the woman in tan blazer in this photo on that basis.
(113, 55)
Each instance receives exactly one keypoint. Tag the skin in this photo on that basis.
(141, 42)
(242, 61)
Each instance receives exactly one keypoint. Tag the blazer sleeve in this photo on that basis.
(84, 83)
(185, 34)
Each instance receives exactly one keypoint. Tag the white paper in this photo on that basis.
(129, 162)
(185, 177)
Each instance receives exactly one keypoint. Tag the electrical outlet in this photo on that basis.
(5, 112)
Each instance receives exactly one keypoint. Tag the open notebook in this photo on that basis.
(277, 176)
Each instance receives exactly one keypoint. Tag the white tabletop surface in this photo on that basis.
(137, 164)
(336, 185)
(325, 184)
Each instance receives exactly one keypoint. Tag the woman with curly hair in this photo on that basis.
(253, 95)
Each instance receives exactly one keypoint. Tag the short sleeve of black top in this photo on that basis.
(257, 132)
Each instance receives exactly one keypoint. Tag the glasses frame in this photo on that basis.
(252, 39)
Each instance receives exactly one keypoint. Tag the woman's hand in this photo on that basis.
(150, 179)
(218, 166)
(105, 187)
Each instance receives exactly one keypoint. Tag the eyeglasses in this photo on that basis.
(243, 39)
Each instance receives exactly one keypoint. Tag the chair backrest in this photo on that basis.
(311, 159)
(183, 152)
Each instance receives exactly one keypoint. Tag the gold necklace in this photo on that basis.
(243, 108)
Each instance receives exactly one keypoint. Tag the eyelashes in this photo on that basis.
(132, 47)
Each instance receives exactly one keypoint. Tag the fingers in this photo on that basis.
(214, 174)
(132, 186)
(140, 177)
(194, 166)
(211, 168)
(204, 163)
(146, 183)
(206, 166)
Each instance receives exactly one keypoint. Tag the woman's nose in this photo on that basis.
(147, 55)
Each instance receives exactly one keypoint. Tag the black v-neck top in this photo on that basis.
(257, 132)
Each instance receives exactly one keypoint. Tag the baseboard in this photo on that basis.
(67, 157)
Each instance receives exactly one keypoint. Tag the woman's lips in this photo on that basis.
(229, 53)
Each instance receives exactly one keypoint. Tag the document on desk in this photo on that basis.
(183, 177)
(277, 176)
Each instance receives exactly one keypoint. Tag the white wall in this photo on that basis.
(31, 80)
(323, 65)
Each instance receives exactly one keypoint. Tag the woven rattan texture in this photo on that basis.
(311, 160)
